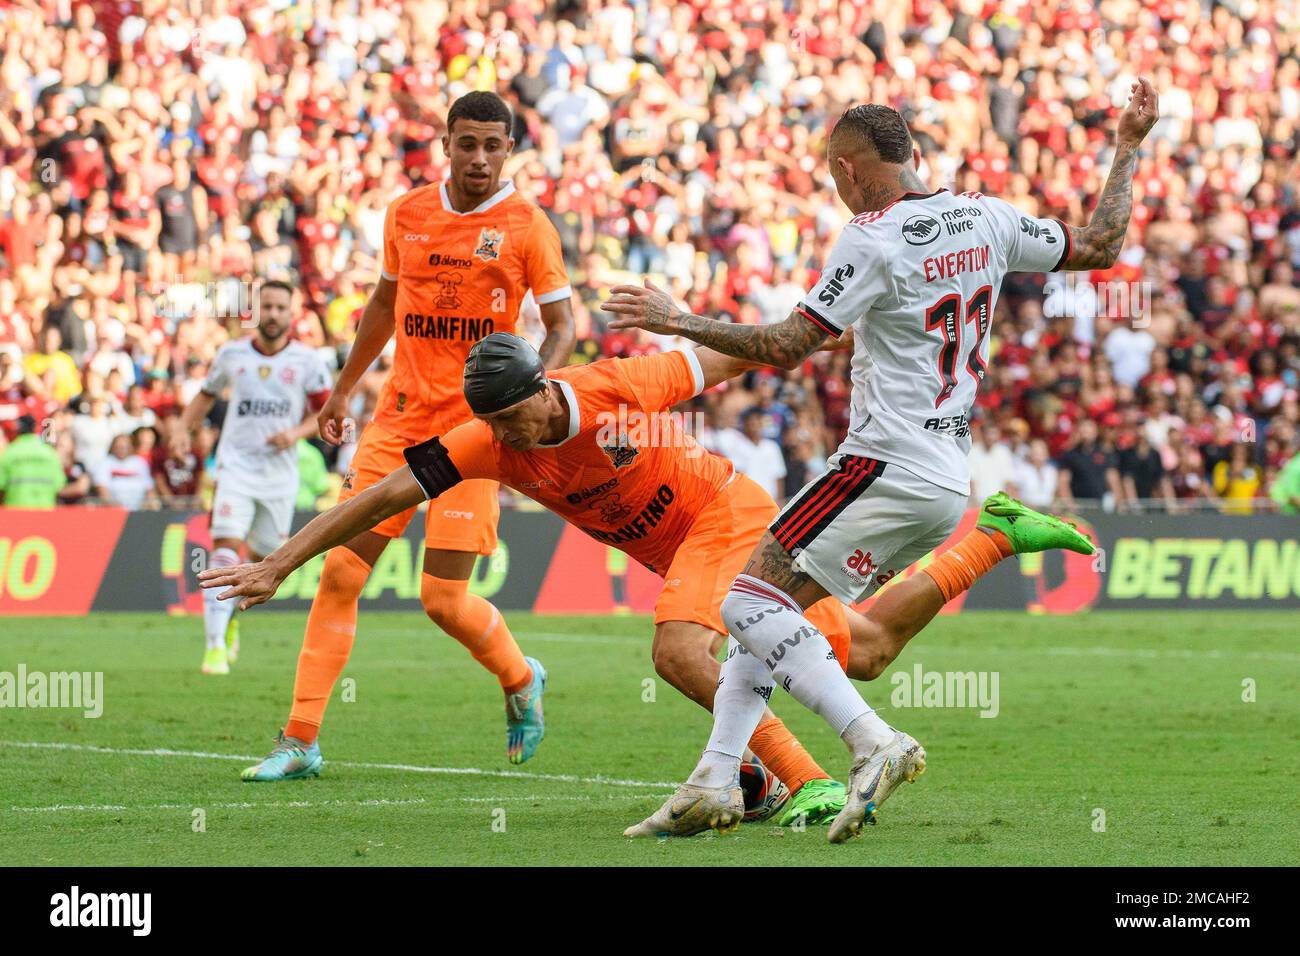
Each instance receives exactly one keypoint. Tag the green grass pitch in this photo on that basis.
(1137, 716)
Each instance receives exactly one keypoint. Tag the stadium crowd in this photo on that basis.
(160, 154)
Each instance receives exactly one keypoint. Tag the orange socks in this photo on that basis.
(957, 568)
(331, 629)
(479, 626)
(782, 754)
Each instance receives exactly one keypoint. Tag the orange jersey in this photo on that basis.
(627, 474)
(460, 276)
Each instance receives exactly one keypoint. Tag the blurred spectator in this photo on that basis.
(754, 454)
(1142, 473)
(94, 427)
(123, 478)
(992, 468)
(30, 473)
(1088, 469)
(53, 367)
(1035, 478)
(1237, 480)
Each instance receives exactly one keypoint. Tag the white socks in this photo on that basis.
(772, 627)
(217, 614)
(738, 706)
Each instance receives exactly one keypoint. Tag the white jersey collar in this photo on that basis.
(506, 190)
(575, 416)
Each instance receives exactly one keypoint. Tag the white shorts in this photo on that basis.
(862, 521)
(261, 523)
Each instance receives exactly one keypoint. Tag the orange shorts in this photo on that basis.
(463, 518)
(717, 549)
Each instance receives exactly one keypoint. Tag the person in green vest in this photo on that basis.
(1286, 487)
(30, 471)
(313, 476)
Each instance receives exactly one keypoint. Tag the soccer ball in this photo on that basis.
(764, 793)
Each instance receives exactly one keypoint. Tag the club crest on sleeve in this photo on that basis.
(489, 244)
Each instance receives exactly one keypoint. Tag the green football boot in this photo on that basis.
(215, 662)
(817, 801)
(232, 639)
(1029, 530)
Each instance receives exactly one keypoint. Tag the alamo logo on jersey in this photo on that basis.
(621, 452)
(489, 244)
(920, 230)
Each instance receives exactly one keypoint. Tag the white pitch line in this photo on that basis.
(300, 804)
(1106, 651)
(1180, 652)
(408, 768)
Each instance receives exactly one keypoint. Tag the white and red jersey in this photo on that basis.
(268, 395)
(918, 281)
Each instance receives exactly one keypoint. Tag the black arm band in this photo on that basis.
(432, 467)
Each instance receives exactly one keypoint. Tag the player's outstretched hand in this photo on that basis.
(649, 308)
(255, 583)
(1141, 113)
(332, 418)
(281, 440)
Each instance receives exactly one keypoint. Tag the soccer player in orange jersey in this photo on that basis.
(594, 445)
(459, 257)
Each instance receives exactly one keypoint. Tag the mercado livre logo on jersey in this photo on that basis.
(920, 230)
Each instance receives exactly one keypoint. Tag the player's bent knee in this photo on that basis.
(344, 575)
(734, 606)
(443, 600)
(673, 664)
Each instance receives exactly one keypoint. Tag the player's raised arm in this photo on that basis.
(1098, 244)
(377, 326)
(549, 280)
(256, 583)
(782, 344)
(561, 333)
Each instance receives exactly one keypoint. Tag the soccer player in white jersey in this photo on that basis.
(272, 382)
(916, 275)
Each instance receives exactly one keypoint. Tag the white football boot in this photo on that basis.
(693, 810)
(871, 781)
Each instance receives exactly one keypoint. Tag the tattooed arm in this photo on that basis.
(1097, 245)
(783, 344)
